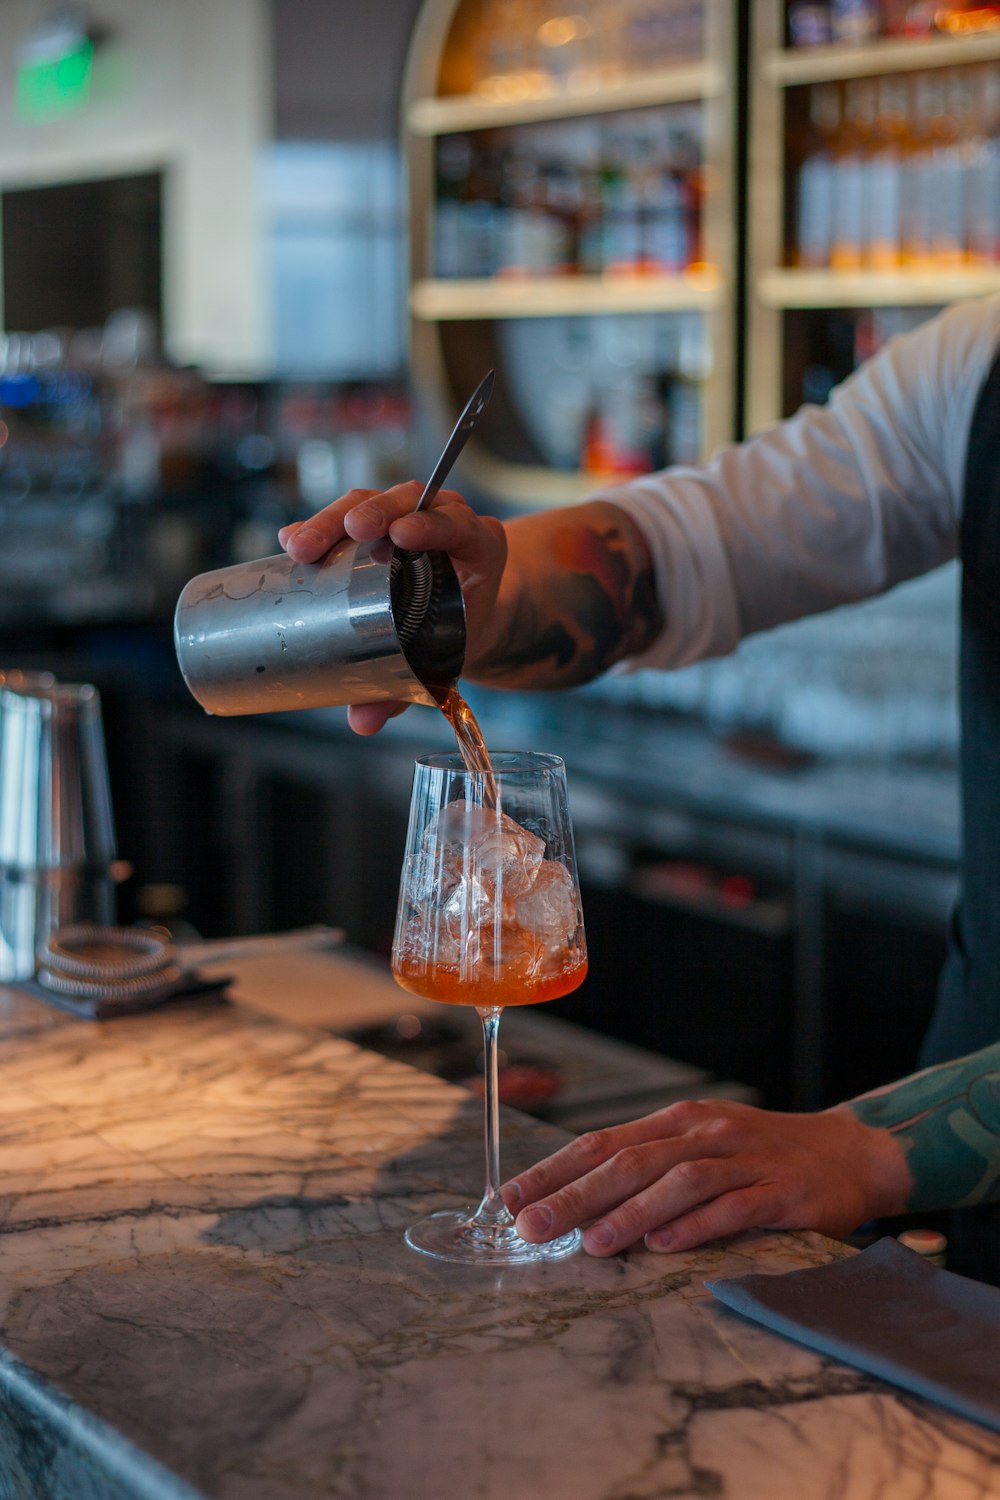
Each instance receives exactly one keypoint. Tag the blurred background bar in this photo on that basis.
(256, 253)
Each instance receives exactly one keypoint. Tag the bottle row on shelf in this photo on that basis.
(632, 425)
(619, 195)
(900, 171)
(610, 395)
(641, 426)
(515, 49)
(856, 22)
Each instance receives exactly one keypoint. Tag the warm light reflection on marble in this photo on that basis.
(201, 1215)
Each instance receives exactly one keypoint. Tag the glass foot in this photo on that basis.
(456, 1236)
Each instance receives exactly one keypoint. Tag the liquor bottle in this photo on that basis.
(669, 242)
(519, 192)
(884, 231)
(918, 173)
(809, 24)
(481, 210)
(690, 159)
(935, 190)
(621, 208)
(851, 178)
(559, 208)
(983, 196)
(908, 17)
(963, 19)
(598, 456)
(815, 179)
(950, 234)
(454, 164)
(590, 235)
(855, 21)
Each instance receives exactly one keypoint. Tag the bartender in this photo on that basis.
(899, 472)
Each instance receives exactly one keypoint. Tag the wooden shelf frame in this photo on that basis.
(781, 288)
(685, 83)
(789, 67)
(436, 300)
(710, 291)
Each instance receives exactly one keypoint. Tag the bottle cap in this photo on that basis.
(930, 1243)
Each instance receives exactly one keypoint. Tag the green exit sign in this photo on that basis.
(53, 86)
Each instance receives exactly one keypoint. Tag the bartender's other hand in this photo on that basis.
(477, 546)
(704, 1168)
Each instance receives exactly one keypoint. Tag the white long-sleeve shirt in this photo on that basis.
(836, 504)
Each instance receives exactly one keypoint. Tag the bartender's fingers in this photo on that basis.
(307, 541)
(753, 1207)
(368, 718)
(695, 1202)
(450, 525)
(637, 1191)
(374, 515)
(363, 514)
(447, 524)
(594, 1147)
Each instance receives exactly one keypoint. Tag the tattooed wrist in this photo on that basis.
(580, 596)
(947, 1120)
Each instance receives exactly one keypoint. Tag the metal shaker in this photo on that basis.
(57, 835)
(368, 622)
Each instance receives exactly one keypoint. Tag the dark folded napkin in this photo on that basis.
(887, 1311)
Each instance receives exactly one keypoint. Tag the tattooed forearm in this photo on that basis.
(578, 596)
(947, 1120)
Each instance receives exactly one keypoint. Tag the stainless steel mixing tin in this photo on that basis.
(368, 622)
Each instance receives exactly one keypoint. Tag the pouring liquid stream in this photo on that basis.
(507, 978)
(471, 744)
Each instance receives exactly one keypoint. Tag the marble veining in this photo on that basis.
(204, 1292)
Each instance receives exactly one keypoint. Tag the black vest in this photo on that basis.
(967, 1015)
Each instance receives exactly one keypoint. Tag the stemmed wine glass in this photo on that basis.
(489, 915)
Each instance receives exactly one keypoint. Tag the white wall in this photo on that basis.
(190, 91)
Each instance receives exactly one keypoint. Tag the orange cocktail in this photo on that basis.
(489, 916)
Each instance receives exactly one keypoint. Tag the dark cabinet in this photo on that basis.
(770, 954)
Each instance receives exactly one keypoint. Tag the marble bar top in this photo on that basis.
(204, 1292)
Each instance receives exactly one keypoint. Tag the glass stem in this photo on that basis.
(491, 1210)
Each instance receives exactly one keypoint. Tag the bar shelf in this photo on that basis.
(791, 288)
(789, 67)
(445, 115)
(469, 311)
(439, 299)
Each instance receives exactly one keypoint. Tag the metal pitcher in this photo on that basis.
(57, 834)
(368, 622)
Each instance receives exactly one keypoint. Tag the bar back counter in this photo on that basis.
(743, 910)
(205, 1292)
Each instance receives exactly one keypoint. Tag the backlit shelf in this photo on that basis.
(805, 289)
(444, 116)
(564, 296)
(791, 66)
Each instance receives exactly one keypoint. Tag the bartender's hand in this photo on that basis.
(704, 1168)
(477, 546)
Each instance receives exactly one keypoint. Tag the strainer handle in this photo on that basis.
(475, 406)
